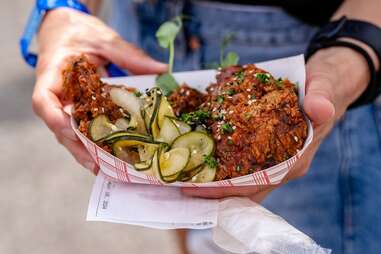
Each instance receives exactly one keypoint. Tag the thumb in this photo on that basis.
(128, 56)
(318, 102)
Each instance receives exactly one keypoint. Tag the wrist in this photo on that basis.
(350, 69)
(368, 49)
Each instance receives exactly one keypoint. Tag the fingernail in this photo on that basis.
(90, 166)
(70, 134)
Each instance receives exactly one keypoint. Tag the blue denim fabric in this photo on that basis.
(337, 202)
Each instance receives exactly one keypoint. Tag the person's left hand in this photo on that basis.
(335, 78)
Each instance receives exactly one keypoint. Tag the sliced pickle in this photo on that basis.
(206, 175)
(172, 162)
(199, 144)
(101, 127)
(165, 110)
(168, 131)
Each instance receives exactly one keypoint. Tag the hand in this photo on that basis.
(335, 78)
(65, 33)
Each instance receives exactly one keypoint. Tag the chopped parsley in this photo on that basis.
(240, 76)
(263, 77)
(238, 168)
(226, 128)
(210, 161)
(229, 142)
(230, 92)
(279, 83)
(137, 93)
(195, 117)
(220, 99)
(253, 97)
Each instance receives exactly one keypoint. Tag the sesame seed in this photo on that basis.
(296, 138)
(234, 127)
(93, 97)
(187, 93)
(231, 112)
(249, 90)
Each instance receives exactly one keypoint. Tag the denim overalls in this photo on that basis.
(337, 203)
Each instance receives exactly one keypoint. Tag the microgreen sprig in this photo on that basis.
(166, 35)
(231, 58)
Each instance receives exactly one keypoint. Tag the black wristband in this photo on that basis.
(365, 32)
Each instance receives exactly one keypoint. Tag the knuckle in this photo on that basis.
(110, 38)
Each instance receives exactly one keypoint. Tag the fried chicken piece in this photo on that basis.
(185, 99)
(82, 86)
(257, 122)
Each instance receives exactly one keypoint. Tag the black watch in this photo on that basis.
(328, 36)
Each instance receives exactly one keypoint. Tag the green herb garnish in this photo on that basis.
(263, 77)
(195, 117)
(167, 83)
(226, 128)
(166, 35)
(279, 83)
(240, 76)
(238, 168)
(230, 92)
(220, 99)
(229, 142)
(210, 161)
(137, 93)
(231, 58)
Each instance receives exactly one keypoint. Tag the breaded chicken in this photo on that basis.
(255, 120)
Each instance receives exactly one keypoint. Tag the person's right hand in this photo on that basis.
(65, 33)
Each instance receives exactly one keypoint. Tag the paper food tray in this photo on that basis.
(292, 68)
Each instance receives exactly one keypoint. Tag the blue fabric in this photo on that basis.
(337, 202)
(33, 23)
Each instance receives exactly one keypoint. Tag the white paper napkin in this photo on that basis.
(239, 225)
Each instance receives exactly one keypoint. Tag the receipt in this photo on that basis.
(146, 205)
